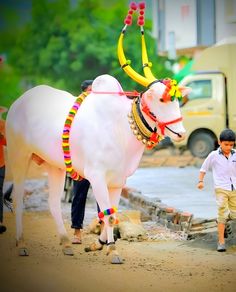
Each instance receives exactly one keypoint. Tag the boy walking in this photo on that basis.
(222, 162)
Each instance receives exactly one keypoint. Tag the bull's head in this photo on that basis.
(161, 96)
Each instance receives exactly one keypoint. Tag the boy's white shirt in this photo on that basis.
(223, 169)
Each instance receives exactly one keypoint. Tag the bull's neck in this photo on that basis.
(142, 125)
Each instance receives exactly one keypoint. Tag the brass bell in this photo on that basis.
(131, 121)
(144, 141)
(135, 132)
(139, 137)
(132, 126)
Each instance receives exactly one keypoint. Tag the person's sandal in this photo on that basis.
(76, 240)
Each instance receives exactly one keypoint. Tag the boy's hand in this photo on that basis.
(200, 185)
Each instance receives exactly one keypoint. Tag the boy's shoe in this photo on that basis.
(2, 228)
(221, 247)
(228, 230)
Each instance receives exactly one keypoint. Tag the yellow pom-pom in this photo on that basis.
(149, 64)
(172, 91)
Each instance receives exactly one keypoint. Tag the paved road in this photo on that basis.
(177, 187)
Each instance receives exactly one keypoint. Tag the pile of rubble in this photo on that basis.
(174, 219)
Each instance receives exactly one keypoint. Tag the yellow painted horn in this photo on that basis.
(126, 67)
(146, 64)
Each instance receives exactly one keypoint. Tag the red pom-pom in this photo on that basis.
(133, 6)
(130, 12)
(142, 5)
(141, 12)
(140, 22)
(141, 17)
(129, 16)
(128, 21)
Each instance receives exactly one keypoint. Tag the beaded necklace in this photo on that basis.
(66, 137)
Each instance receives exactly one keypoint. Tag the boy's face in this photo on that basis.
(226, 146)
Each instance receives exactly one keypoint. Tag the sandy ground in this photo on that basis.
(149, 266)
(164, 264)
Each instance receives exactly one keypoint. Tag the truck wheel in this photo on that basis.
(201, 144)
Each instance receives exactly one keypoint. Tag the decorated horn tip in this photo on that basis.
(142, 5)
(128, 19)
(140, 22)
(133, 6)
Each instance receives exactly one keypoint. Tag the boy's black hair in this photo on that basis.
(85, 84)
(227, 135)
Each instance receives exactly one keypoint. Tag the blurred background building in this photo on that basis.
(183, 27)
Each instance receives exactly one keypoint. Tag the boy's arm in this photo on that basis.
(204, 168)
(200, 184)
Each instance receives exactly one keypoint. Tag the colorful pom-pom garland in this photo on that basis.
(66, 137)
(107, 212)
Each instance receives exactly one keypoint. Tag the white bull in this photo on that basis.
(103, 147)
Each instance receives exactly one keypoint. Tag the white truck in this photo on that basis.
(211, 106)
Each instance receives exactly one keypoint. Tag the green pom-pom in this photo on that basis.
(128, 62)
(149, 64)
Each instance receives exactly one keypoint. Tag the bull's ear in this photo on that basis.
(185, 90)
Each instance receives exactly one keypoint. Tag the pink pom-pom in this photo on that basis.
(142, 5)
(133, 6)
(128, 21)
(140, 22)
(141, 12)
(130, 12)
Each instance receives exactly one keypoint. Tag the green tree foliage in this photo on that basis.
(63, 44)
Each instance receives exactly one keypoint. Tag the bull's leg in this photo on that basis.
(19, 160)
(18, 196)
(101, 194)
(56, 179)
(115, 258)
(106, 200)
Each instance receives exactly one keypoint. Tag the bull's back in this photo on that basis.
(37, 118)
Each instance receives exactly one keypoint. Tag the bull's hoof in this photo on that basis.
(117, 260)
(68, 251)
(23, 251)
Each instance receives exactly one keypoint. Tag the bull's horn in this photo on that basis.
(146, 64)
(125, 64)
